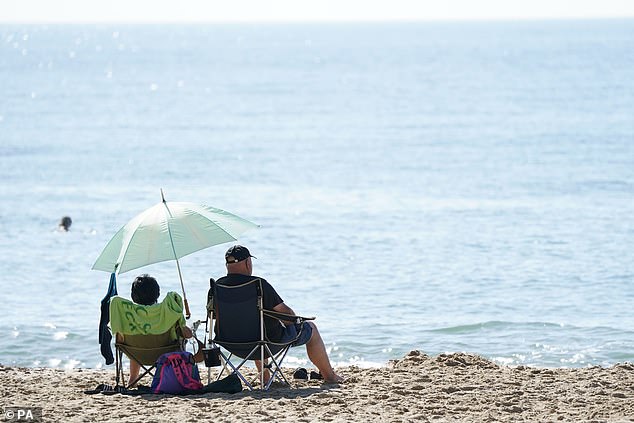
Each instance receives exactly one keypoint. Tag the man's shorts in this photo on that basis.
(290, 332)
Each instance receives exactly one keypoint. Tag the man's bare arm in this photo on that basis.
(283, 308)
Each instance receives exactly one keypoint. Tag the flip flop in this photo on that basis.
(109, 390)
(300, 373)
(97, 390)
(315, 375)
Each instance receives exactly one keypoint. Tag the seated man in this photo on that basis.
(126, 320)
(239, 271)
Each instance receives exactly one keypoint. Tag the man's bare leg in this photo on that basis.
(267, 374)
(317, 354)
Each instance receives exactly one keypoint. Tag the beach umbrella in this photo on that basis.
(169, 231)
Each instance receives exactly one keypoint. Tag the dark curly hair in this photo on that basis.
(145, 290)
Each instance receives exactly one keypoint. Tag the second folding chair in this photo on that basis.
(237, 317)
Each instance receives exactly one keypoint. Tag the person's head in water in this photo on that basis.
(65, 223)
(145, 290)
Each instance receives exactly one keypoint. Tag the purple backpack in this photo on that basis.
(176, 373)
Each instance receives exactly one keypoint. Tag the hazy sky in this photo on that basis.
(303, 10)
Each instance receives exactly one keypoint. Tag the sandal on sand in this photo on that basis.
(315, 375)
(109, 390)
(97, 390)
(300, 373)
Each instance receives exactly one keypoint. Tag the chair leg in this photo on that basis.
(224, 360)
(263, 368)
(236, 369)
(146, 370)
(277, 372)
(118, 367)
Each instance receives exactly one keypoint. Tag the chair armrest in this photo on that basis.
(286, 317)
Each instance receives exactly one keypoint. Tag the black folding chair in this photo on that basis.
(237, 315)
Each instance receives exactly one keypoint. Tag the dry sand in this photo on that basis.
(417, 388)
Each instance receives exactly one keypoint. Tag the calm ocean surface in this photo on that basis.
(434, 186)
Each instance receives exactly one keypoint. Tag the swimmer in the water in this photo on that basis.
(64, 224)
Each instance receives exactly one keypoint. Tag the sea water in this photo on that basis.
(433, 186)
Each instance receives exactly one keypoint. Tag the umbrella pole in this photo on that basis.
(180, 276)
(178, 265)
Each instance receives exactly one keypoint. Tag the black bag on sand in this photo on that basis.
(228, 385)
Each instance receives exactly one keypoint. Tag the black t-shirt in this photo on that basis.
(270, 299)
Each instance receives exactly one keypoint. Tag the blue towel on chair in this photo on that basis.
(105, 336)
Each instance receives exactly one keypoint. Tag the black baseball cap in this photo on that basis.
(237, 253)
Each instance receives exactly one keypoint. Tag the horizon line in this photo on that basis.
(311, 21)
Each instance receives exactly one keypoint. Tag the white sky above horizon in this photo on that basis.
(148, 11)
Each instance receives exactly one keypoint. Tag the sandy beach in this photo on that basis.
(455, 387)
(418, 387)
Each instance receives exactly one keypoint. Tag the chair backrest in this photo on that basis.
(146, 332)
(238, 317)
(129, 318)
(146, 349)
(148, 341)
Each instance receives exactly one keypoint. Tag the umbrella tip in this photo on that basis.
(162, 196)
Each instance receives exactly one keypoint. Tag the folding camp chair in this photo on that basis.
(138, 333)
(237, 315)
